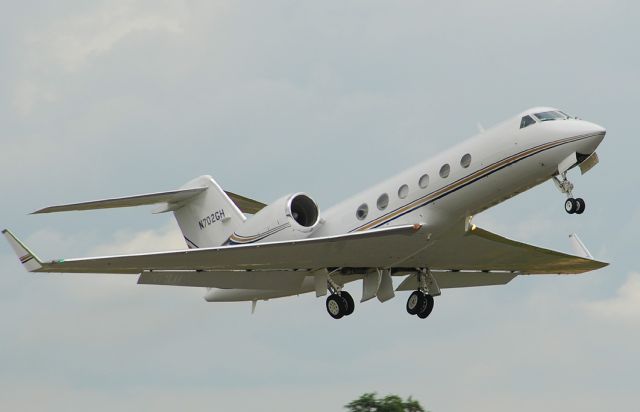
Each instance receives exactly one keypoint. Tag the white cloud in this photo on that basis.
(73, 42)
(27, 94)
(168, 237)
(624, 306)
(69, 45)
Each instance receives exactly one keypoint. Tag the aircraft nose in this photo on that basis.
(597, 133)
(595, 128)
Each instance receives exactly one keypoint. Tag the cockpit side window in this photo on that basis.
(568, 116)
(547, 116)
(526, 121)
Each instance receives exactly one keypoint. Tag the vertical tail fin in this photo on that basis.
(209, 218)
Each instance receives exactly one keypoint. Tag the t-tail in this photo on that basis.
(206, 214)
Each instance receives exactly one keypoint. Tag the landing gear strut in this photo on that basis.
(571, 205)
(421, 302)
(339, 302)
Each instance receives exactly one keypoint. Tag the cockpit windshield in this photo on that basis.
(551, 115)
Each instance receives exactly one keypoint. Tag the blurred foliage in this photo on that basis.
(369, 402)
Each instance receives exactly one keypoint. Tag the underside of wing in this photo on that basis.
(480, 250)
(451, 279)
(239, 279)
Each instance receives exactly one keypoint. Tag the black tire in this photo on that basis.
(427, 307)
(581, 205)
(570, 206)
(336, 306)
(348, 300)
(415, 302)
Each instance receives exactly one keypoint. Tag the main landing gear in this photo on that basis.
(339, 302)
(571, 205)
(421, 302)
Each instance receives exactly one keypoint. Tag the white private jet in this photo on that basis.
(416, 225)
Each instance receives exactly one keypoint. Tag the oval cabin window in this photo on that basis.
(444, 170)
(362, 212)
(465, 161)
(383, 201)
(403, 191)
(424, 181)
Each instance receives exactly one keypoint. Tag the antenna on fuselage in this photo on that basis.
(480, 127)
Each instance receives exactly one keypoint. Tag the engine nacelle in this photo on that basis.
(288, 218)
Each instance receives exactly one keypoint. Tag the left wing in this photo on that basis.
(373, 248)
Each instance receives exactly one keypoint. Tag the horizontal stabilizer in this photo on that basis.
(171, 197)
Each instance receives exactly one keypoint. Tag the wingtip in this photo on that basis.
(27, 258)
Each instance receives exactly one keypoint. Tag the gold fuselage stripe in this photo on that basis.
(443, 191)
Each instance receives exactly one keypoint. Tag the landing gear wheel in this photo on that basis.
(571, 205)
(427, 307)
(415, 302)
(581, 206)
(336, 306)
(348, 300)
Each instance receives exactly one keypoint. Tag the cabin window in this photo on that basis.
(465, 161)
(526, 121)
(444, 170)
(424, 181)
(383, 201)
(403, 191)
(362, 212)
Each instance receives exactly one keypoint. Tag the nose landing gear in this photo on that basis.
(571, 205)
(576, 206)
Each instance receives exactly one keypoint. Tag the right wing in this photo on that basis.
(246, 204)
(477, 249)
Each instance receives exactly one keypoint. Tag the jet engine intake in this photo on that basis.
(291, 217)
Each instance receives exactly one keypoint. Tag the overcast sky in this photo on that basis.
(112, 98)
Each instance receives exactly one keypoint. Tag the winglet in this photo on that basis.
(28, 259)
(578, 247)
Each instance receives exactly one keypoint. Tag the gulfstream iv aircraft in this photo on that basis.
(416, 226)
